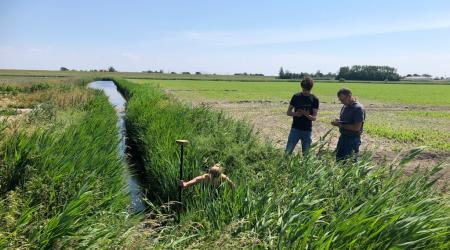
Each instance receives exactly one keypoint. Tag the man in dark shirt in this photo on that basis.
(350, 123)
(303, 108)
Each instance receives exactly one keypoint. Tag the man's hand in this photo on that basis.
(335, 122)
(300, 112)
(181, 184)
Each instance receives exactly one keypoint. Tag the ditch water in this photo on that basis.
(118, 102)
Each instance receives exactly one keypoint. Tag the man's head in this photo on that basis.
(307, 83)
(215, 171)
(345, 96)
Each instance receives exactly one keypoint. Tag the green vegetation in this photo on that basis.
(62, 182)
(286, 74)
(48, 74)
(286, 202)
(7, 112)
(405, 127)
(368, 73)
(432, 114)
(428, 128)
(26, 89)
(61, 179)
(397, 117)
(282, 91)
(427, 137)
(154, 75)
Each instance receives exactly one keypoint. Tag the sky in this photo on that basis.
(226, 37)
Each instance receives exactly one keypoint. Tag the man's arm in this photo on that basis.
(352, 127)
(312, 117)
(224, 177)
(192, 182)
(289, 112)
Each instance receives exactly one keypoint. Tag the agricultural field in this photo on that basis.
(168, 125)
(286, 202)
(399, 116)
(64, 185)
(68, 74)
(277, 91)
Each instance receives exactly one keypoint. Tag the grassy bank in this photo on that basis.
(286, 202)
(61, 179)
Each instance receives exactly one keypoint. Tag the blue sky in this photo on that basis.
(226, 36)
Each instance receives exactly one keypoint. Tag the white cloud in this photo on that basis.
(303, 34)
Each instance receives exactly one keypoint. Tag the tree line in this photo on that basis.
(368, 73)
(356, 72)
(286, 74)
(110, 69)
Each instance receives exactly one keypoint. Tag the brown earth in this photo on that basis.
(272, 123)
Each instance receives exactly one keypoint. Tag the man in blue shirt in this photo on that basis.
(350, 123)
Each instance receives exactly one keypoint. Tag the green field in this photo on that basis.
(36, 74)
(417, 94)
(63, 185)
(279, 201)
(398, 112)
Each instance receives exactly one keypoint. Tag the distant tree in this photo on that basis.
(198, 73)
(111, 69)
(173, 73)
(186, 73)
(343, 73)
(426, 75)
(281, 73)
(64, 69)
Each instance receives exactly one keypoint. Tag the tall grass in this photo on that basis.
(279, 202)
(63, 186)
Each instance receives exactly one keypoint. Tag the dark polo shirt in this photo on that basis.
(352, 114)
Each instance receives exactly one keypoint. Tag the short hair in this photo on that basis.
(215, 171)
(307, 83)
(345, 92)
